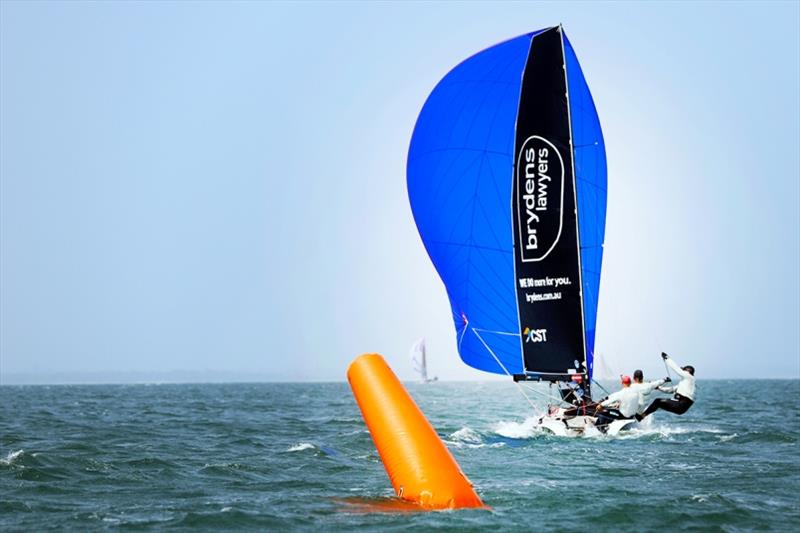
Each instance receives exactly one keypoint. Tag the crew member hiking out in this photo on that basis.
(626, 401)
(684, 391)
(645, 388)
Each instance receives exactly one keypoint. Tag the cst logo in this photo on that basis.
(535, 335)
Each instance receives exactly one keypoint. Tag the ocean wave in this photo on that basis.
(231, 471)
(530, 428)
(466, 435)
(457, 444)
(649, 429)
(12, 456)
(767, 437)
(301, 446)
(226, 466)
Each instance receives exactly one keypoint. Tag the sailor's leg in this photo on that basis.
(657, 404)
(678, 405)
(603, 420)
(682, 404)
(605, 417)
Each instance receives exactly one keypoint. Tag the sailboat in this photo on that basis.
(420, 363)
(506, 177)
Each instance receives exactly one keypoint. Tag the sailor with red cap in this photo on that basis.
(625, 401)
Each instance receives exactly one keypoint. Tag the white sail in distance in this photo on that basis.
(419, 362)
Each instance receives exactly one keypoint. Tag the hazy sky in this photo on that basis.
(218, 190)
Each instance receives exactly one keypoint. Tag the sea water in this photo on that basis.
(298, 456)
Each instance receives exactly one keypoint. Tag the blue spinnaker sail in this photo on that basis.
(460, 176)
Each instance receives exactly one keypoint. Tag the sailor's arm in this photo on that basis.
(668, 390)
(612, 399)
(652, 385)
(674, 366)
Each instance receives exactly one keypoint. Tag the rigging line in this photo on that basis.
(491, 352)
(667, 367)
(497, 332)
(504, 368)
(548, 395)
(601, 387)
(461, 338)
(657, 338)
(520, 385)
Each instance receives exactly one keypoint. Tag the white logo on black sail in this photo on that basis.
(540, 198)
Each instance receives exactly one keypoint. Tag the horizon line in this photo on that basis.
(319, 382)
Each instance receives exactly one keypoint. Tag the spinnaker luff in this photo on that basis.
(507, 182)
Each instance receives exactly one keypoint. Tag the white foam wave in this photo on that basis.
(466, 435)
(518, 430)
(459, 444)
(530, 428)
(648, 428)
(11, 457)
(301, 446)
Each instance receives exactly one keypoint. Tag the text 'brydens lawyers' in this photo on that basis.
(535, 196)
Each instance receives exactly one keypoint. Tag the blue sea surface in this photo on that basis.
(298, 456)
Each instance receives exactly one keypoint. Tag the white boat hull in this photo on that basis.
(575, 426)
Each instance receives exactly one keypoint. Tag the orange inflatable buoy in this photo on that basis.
(420, 467)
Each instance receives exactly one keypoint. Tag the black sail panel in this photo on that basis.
(546, 241)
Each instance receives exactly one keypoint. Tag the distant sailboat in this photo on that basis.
(419, 361)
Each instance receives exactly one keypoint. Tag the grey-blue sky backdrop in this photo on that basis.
(217, 191)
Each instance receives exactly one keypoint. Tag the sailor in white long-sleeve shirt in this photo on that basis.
(645, 388)
(626, 401)
(684, 391)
